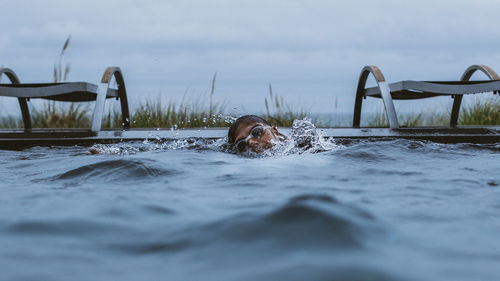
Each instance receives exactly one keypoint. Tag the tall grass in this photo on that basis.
(411, 119)
(59, 74)
(54, 115)
(153, 114)
(281, 113)
(150, 114)
(485, 112)
(11, 122)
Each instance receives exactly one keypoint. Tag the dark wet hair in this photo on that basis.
(243, 120)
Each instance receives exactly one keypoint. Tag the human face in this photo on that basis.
(255, 137)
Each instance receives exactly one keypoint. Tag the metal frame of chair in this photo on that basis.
(421, 89)
(71, 91)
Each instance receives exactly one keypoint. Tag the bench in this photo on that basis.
(69, 92)
(409, 89)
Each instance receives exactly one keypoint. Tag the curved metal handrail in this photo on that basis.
(457, 102)
(102, 90)
(10, 74)
(384, 91)
(23, 102)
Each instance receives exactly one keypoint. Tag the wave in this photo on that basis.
(388, 172)
(368, 154)
(118, 170)
(494, 147)
(337, 271)
(317, 222)
(152, 247)
(63, 227)
(304, 221)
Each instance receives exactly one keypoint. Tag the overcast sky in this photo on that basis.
(311, 51)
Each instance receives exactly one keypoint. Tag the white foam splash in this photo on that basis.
(304, 138)
(121, 149)
(157, 144)
(228, 118)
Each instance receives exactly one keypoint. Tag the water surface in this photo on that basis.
(365, 210)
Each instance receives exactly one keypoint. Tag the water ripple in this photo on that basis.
(118, 170)
(152, 247)
(363, 155)
(67, 227)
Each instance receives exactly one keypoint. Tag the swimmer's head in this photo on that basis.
(251, 132)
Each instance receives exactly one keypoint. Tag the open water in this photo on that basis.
(189, 210)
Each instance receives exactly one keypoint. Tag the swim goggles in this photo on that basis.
(256, 132)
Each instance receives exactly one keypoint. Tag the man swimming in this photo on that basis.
(252, 133)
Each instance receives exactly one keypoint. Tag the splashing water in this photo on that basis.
(307, 136)
(158, 144)
(227, 118)
(121, 149)
(304, 138)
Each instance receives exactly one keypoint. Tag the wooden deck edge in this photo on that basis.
(18, 139)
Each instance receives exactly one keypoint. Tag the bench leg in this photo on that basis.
(102, 91)
(455, 111)
(390, 110)
(385, 93)
(23, 104)
(25, 111)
